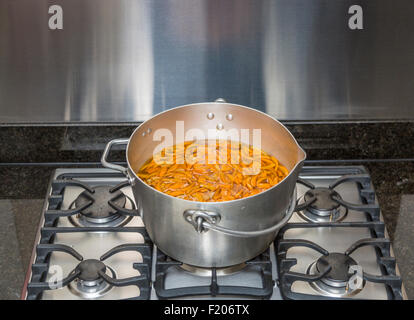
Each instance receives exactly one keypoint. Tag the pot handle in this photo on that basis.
(105, 154)
(204, 220)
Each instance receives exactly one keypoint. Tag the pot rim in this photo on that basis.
(198, 203)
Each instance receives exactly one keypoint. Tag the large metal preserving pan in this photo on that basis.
(213, 234)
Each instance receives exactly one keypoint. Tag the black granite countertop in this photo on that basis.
(25, 176)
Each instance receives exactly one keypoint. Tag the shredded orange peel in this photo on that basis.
(209, 181)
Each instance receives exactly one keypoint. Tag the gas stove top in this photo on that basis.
(92, 244)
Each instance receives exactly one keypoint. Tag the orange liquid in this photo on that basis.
(236, 173)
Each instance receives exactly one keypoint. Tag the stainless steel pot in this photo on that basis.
(208, 234)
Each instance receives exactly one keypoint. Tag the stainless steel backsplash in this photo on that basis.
(125, 60)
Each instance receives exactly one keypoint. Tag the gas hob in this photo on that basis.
(92, 244)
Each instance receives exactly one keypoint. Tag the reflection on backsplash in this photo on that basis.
(125, 60)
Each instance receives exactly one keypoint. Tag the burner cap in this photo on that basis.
(324, 202)
(339, 274)
(89, 269)
(324, 208)
(336, 282)
(100, 211)
(89, 284)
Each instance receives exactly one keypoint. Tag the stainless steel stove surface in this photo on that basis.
(92, 244)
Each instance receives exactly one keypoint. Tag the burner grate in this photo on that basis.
(286, 279)
(262, 262)
(41, 266)
(54, 211)
(49, 230)
(310, 200)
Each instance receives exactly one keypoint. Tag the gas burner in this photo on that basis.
(93, 278)
(98, 211)
(207, 272)
(336, 282)
(336, 275)
(321, 206)
(255, 279)
(89, 284)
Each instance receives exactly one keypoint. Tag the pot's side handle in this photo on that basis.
(201, 222)
(197, 217)
(105, 154)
